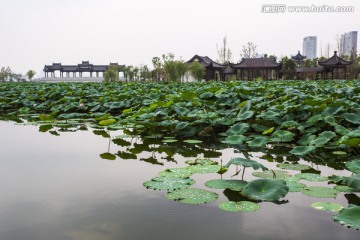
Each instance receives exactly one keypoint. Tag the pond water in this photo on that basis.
(59, 188)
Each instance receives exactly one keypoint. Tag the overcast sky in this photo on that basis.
(131, 32)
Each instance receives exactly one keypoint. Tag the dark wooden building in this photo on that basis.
(334, 66)
(251, 68)
(77, 70)
(309, 72)
(213, 69)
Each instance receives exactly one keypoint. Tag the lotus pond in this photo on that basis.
(255, 160)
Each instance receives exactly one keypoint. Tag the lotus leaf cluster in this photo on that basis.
(304, 115)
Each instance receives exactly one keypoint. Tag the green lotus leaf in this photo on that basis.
(242, 206)
(327, 206)
(270, 130)
(282, 136)
(352, 117)
(206, 95)
(320, 192)
(349, 217)
(258, 141)
(268, 115)
(355, 133)
(332, 110)
(337, 179)
(246, 106)
(176, 173)
(235, 139)
(193, 141)
(45, 127)
(353, 181)
(201, 162)
(289, 124)
(330, 120)
(353, 142)
(312, 177)
(204, 168)
(222, 170)
(245, 115)
(258, 128)
(107, 122)
(353, 166)
(275, 174)
(181, 125)
(169, 140)
(339, 153)
(315, 118)
(192, 196)
(289, 166)
(238, 129)
(101, 133)
(121, 142)
(126, 155)
(295, 186)
(246, 163)
(341, 130)
(320, 141)
(306, 139)
(108, 156)
(266, 189)
(346, 189)
(169, 184)
(327, 134)
(236, 185)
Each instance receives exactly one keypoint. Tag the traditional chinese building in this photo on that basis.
(251, 68)
(76, 71)
(335, 66)
(213, 69)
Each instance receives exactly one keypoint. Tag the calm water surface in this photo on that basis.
(58, 188)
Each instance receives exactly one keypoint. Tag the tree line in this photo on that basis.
(166, 68)
(7, 75)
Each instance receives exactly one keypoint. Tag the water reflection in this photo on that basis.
(58, 187)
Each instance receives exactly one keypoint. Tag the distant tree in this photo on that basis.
(327, 50)
(3, 75)
(271, 56)
(6, 74)
(30, 74)
(197, 70)
(158, 70)
(321, 59)
(182, 68)
(111, 74)
(310, 62)
(175, 70)
(128, 73)
(288, 68)
(224, 52)
(136, 71)
(354, 69)
(249, 50)
(145, 73)
(168, 57)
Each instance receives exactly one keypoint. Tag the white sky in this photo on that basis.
(38, 32)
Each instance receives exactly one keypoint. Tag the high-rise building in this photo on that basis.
(309, 47)
(348, 43)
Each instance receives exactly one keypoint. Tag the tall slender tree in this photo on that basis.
(224, 52)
